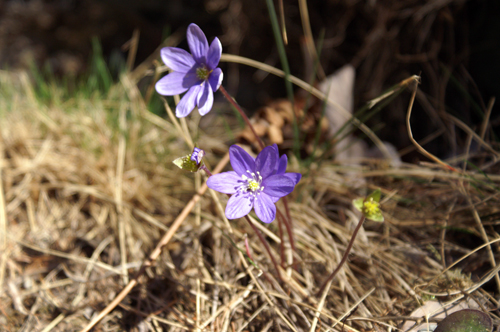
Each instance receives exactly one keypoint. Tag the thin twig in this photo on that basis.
(410, 134)
(466, 128)
(487, 118)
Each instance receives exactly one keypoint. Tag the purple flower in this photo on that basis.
(254, 183)
(196, 73)
(281, 168)
(197, 155)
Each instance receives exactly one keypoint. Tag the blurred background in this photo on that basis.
(453, 44)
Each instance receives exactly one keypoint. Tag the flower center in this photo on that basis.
(203, 73)
(251, 184)
(371, 207)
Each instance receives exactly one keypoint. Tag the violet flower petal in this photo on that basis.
(198, 43)
(277, 185)
(214, 53)
(275, 147)
(197, 155)
(238, 206)
(265, 162)
(215, 79)
(295, 177)
(171, 84)
(190, 78)
(265, 208)
(225, 183)
(188, 102)
(241, 161)
(282, 165)
(205, 99)
(177, 59)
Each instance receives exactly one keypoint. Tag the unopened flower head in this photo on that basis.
(197, 155)
(197, 73)
(254, 183)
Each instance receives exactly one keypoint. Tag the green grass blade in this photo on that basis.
(286, 68)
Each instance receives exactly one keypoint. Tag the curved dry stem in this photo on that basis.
(410, 134)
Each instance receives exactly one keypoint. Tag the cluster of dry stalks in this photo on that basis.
(88, 188)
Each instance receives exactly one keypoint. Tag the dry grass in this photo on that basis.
(88, 189)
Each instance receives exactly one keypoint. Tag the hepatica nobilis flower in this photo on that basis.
(196, 73)
(255, 183)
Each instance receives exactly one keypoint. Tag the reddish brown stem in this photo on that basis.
(266, 245)
(261, 143)
(287, 211)
(289, 228)
(344, 259)
(282, 243)
(287, 221)
(240, 110)
(203, 167)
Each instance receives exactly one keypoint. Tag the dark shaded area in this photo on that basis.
(453, 45)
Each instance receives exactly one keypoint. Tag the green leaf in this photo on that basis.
(378, 217)
(358, 203)
(375, 195)
(187, 164)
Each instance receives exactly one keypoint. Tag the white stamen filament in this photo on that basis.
(251, 185)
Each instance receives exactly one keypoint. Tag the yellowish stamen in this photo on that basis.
(202, 73)
(371, 207)
(253, 185)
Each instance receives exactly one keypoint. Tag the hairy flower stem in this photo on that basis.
(203, 167)
(344, 259)
(282, 243)
(289, 218)
(287, 221)
(266, 245)
(289, 230)
(289, 227)
(247, 121)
